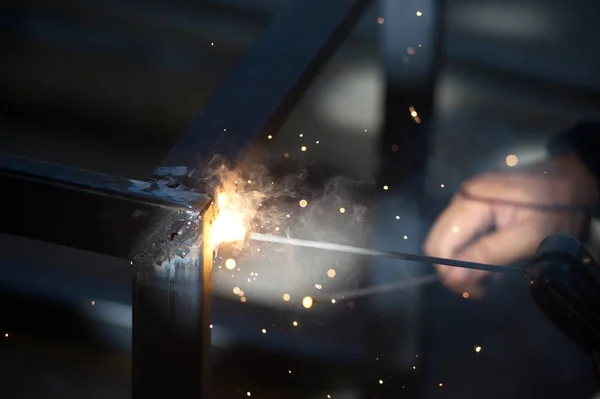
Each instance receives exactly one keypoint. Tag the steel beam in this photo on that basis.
(265, 87)
(83, 209)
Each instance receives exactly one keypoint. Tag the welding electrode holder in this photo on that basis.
(564, 282)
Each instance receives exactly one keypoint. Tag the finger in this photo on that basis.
(505, 246)
(501, 247)
(459, 224)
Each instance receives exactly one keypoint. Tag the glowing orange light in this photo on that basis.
(307, 302)
(331, 273)
(286, 297)
(303, 203)
(512, 160)
(230, 264)
(235, 207)
(380, 20)
(229, 223)
(466, 295)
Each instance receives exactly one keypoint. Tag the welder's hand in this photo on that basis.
(499, 218)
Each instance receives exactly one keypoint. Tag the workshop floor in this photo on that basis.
(483, 115)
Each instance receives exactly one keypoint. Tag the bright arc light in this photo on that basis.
(229, 223)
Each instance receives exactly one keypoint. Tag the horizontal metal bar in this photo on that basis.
(83, 209)
(265, 87)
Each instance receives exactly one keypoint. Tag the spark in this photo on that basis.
(397, 217)
(243, 299)
(307, 302)
(342, 210)
(466, 295)
(331, 273)
(317, 142)
(380, 382)
(6, 335)
(93, 303)
(286, 297)
(406, 237)
(441, 185)
(295, 324)
(303, 148)
(413, 112)
(264, 331)
(380, 20)
(303, 203)
(386, 188)
(230, 264)
(269, 137)
(318, 286)
(236, 290)
(212, 44)
(419, 13)
(301, 135)
(332, 300)
(211, 326)
(478, 349)
(441, 384)
(248, 393)
(512, 160)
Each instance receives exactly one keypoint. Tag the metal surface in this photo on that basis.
(386, 254)
(171, 310)
(265, 87)
(83, 209)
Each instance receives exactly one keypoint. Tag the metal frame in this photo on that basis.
(158, 223)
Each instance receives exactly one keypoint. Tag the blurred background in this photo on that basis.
(110, 86)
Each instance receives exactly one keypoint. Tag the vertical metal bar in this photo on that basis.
(171, 317)
(411, 56)
(411, 52)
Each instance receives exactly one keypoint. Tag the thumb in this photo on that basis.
(505, 246)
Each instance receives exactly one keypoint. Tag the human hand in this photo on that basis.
(500, 218)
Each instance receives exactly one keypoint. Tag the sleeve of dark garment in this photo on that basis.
(583, 140)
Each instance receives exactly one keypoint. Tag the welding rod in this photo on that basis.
(385, 254)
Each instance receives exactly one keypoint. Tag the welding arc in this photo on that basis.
(384, 254)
